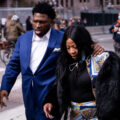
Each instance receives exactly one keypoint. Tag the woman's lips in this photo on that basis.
(74, 57)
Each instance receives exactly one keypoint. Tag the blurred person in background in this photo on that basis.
(57, 24)
(80, 22)
(3, 21)
(70, 21)
(115, 29)
(85, 21)
(7, 23)
(63, 25)
(29, 23)
(14, 30)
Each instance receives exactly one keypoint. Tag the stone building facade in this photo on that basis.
(67, 4)
(64, 8)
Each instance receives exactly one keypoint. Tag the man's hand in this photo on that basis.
(97, 49)
(47, 108)
(3, 94)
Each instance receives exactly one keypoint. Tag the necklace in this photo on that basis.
(75, 65)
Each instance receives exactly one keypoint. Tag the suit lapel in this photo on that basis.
(51, 45)
(28, 46)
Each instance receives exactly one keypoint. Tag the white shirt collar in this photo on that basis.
(37, 38)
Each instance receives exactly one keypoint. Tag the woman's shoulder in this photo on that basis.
(101, 57)
(106, 54)
(108, 58)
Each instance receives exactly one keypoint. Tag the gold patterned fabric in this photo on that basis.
(83, 111)
(93, 66)
(87, 110)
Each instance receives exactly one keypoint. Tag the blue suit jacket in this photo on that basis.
(34, 86)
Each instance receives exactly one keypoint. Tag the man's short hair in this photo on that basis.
(44, 8)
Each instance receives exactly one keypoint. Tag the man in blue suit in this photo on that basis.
(35, 56)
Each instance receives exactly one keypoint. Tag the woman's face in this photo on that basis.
(72, 48)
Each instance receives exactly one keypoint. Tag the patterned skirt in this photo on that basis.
(83, 111)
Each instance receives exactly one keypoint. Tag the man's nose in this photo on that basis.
(38, 24)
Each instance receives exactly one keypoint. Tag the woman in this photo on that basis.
(89, 85)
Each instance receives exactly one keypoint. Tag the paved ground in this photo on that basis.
(105, 40)
(15, 108)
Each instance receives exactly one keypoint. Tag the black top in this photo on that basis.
(79, 84)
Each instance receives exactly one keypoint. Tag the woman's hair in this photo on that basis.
(44, 8)
(82, 39)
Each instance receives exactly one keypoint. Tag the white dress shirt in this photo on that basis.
(39, 47)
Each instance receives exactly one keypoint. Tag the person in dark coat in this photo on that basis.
(115, 30)
(29, 23)
(89, 85)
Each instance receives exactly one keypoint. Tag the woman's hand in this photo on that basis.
(47, 108)
(97, 49)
